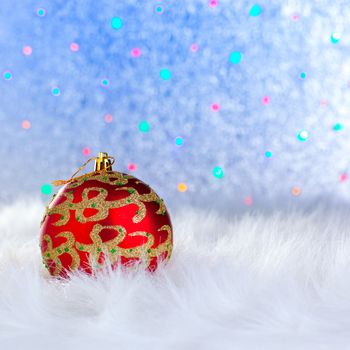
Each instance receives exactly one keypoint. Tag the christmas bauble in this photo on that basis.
(104, 216)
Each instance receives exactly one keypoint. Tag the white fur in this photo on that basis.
(249, 281)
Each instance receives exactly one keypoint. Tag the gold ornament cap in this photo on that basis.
(103, 162)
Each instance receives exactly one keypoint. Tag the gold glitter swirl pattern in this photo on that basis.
(112, 177)
(111, 247)
(102, 206)
(52, 254)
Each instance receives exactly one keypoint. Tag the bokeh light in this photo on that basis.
(213, 3)
(215, 107)
(56, 91)
(144, 126)
(235, 57)
(165, 74)
(182, 187)
(7, 75)
(26, 124)
(343, 177)
(179, 141)
(295, 17)
(302, 75)
(108, 118)
(335, 38)
(159, 9)
(135, 52)
(116, 23)
(104, 82)
(255, 10)
(338, 127)
(27, 50)
(132, 166)
(86, 151)
(296, 191)
(41, 12)
(74, 47)
(218, 172)
(46, 189)
(265, 100)
(248, 200)
(303, 135)
(268, 154)
(194, 47)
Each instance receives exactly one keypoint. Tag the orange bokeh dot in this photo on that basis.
(26, 124)
(182, 187)
(296, 191)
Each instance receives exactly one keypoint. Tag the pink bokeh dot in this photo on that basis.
(108, 118)
(74, 47)
(343, 177)
(26, 124)
(27, 50)
(136, 52)
(213, 3)
(194, 47)
(215, 107)
(248, 200)
(86, 151)
(265, 100)
(323, 103)
(295, 17)
(132, 166)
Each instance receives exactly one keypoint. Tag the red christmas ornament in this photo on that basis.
(104, 215)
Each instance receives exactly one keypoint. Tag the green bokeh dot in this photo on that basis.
(144, 126)
(116, 23)
(218, 172)
(165, 74)
(255, 10)
(46, 189)
(338, 127)
(303, 135)
(235, 57)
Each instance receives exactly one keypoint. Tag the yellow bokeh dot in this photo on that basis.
(296, 191)
(182, 187)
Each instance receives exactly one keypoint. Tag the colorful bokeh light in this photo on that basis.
(7, 75)
(26, 124)
(46, 189)
(27, 50)
(41, 12)
(303, 135)
(165, 74)
(116, 23)
(268, 154)
(144, 126)
(255, 10)
(182, 187)
(86, 151)
(235, 57)
(179, 141)
(56, 91)
(218, 172)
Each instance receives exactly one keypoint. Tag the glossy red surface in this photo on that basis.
(124, 216)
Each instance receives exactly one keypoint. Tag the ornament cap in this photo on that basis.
(103, 161)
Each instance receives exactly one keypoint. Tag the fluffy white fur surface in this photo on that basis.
(250, 281)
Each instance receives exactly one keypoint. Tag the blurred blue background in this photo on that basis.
(210, 102)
